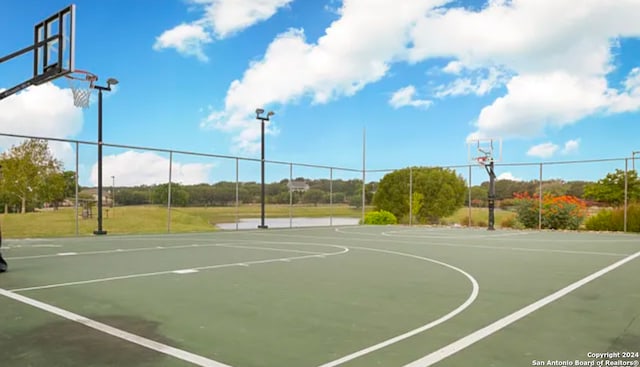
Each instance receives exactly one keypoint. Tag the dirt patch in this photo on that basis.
(70, 344)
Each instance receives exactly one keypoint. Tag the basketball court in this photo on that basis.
(348, 296)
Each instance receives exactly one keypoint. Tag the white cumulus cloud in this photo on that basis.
(357, 49)
(552, 58)
(219, 19)
(187, 39)
(45, 111)
(571, 146)
(133, 168)
(406, 97)
(508, 176)
(544, 150)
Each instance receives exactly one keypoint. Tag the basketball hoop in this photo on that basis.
(483, 160)
(81, 84)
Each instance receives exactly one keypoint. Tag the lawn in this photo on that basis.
(155, 219)
(152, 219)
(479, 217)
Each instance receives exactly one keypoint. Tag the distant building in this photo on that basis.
(299, 186)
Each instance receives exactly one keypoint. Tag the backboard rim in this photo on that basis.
(484, 148)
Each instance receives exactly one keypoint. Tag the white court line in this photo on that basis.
(472, 297)
(444, 233)
(417, 233)
(480, 334)
(444, 244)
(140, 275)
(155, 248)
(104, 328)
(527, 249)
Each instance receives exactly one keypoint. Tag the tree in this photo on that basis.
(610, 189)
(179, 195)
(313, 196)
(443, 192)
(29, 173)
(479, 196)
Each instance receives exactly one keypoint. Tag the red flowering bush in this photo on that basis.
(558, 212)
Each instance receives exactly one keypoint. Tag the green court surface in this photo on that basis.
(350, 296)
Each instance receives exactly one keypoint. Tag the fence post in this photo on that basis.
(626, 191)
(237, 193)
(331, 197)
(169, 194)
(363, 171)
(410, 196)
(77, 173)
(290, 195)
(540, 201)
(469, 203)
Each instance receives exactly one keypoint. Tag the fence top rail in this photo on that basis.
(210, 155)
(184, 152)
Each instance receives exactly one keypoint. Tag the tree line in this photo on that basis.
(223, 193)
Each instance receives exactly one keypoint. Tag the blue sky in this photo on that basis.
(555, 80)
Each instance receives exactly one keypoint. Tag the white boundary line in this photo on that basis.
(445, 244)
(156, 248)
(218, 266)
(507, 236)
(144, 342)
(480, 334)
(472, 297)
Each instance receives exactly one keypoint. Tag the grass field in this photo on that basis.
(152, 219)
(356, 296)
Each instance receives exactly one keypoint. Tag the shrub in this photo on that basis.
(464, 221)
(558, 212)
(380, 217)
(603, 221)
(509, 222)
(613, 219)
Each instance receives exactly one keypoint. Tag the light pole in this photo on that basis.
(259, 112)
(110, 82)
(633, 159)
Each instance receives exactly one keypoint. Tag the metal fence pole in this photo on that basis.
(469, 203)
(410, 196)
(169, 194)
(540, 201)
(77, 173)
(237, 193)
(290, 195)
(363, 171)
(331, 197)
(626, 191)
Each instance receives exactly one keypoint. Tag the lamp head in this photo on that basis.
(271, 113)
(259, 111)
(112, 81)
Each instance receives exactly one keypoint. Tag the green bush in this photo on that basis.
(558, 212)
(464, 221)
(380, 217)
(613, 219)
(527, 213)
(509, 222)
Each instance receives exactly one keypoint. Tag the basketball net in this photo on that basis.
(81, 84)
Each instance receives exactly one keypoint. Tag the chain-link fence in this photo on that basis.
(541, 184)
(151, 190)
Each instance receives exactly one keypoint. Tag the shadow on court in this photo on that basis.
(70, 344)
